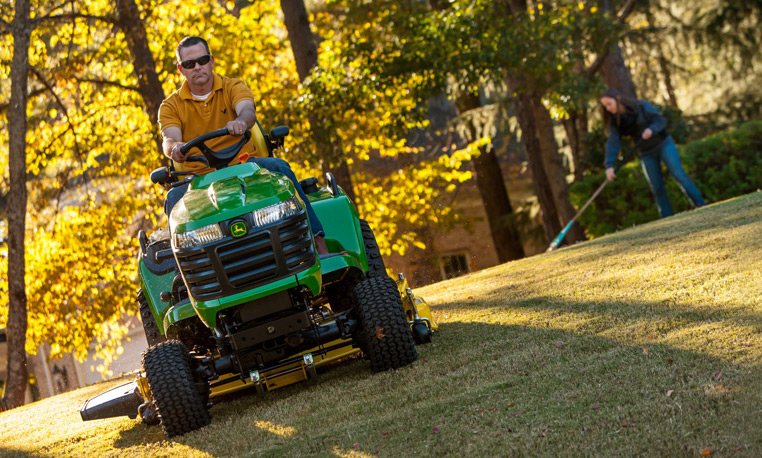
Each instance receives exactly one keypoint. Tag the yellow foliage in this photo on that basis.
(91, 146)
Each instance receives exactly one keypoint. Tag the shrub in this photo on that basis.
(727, 164)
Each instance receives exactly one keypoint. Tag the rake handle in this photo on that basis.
(560, 237)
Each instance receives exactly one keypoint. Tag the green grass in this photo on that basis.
(647, 342)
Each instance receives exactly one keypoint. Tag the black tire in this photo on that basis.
(153, 335)
(181, 407)
(376, 267)
(383, 334)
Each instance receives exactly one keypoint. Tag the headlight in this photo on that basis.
(273, 213)
(198, 237)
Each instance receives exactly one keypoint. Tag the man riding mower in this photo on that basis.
(233, 294)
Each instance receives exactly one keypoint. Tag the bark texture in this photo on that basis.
(613, 70)
(497, 204)
(305, 55)
(663, 62)
(576, 133)
(555, 169)
(16, 384)
(149, 86)
(525, 114)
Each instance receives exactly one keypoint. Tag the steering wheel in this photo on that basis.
(215, 159)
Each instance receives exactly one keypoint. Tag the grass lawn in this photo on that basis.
(647, 342)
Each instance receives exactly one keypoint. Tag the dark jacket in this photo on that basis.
(633, 125)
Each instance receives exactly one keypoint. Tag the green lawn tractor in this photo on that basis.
(233, 294)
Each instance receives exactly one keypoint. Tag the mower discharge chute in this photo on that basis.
(234, 294)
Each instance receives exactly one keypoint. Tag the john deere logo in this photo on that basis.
(238, 229)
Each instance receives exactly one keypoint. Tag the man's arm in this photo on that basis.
(172, 142)
(247, 116)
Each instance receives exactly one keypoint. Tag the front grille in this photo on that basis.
(233, 265)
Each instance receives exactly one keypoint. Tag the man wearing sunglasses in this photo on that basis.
(208, 102)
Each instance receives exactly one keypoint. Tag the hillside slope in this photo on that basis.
(647, 342)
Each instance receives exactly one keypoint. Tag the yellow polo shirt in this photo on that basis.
(196, 117)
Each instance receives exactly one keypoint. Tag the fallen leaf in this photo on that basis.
(385, 435)
(669, 393)
(594, 406)
(706, 452)
(645, 349)
(670, 361)
(380, 333)
(510, 404)
(717, 375)
(470, 298)
(436, 429)
(736, 449)
(355, 446)
(484, 345)
(628, 425)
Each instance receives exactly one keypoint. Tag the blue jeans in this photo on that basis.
(652, 169)
(272, 164)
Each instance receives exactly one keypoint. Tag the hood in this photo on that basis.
(228, 193)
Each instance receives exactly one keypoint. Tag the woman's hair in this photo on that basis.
(627, 102)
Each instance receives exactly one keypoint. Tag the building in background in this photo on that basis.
(52, 377)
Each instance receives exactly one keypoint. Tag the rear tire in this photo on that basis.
(376, 267)
(153, 335)
(180, 404)
(383, 334)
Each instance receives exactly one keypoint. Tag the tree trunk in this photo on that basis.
(663, 63)
(149, 85)
(613, 71)
(576, 133)
(16, 384)
(305, 55)
(575, 124)
(555, 170)
(300, 36)
(525, 114)
(497, 204)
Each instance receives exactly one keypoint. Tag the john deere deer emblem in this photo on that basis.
(238, 229)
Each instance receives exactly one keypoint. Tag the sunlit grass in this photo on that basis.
(646, 342)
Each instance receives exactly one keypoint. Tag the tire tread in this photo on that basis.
(168, 370)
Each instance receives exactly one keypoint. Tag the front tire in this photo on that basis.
(383, 334)
(181, 407)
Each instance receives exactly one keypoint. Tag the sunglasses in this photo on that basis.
(191, 63)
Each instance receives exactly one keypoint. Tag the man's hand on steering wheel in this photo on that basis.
(236, 127)
(175, 153)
